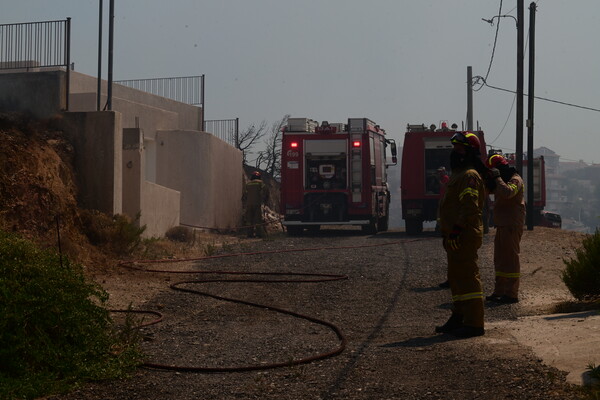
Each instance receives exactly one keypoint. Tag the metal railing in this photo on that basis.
(225, 129)
(37, 45)
(185, 89)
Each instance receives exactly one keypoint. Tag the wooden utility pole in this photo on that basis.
(99, 88)
(530, 99)
(469, 98)
(111, 31)
(520, 60)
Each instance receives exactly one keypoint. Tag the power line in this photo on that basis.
(495, 40)
(484, 83)
(505, 122)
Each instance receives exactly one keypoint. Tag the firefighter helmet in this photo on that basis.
(496, 160)
(467, 139)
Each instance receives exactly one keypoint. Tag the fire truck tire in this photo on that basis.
(383, 223)
(294, 230)
(414, 226)
(312, 229)
(370, 229)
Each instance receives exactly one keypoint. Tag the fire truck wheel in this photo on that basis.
(370, 229)
(414, 226)
(294, 230)
(312, 229)
(383, 223)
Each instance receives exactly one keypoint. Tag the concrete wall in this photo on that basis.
(207, 172)
(135, 115)
(188, 117)
(156, 206)
(160, 209)
(42, 94)
(133, 175)
(179, 174)
(98, 141)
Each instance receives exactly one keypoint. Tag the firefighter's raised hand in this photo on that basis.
(453, 238)
(494, 173)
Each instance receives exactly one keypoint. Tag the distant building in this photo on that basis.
(556, 191)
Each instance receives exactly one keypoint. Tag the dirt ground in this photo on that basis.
(542, 253)
(387, 309)
(38, 199)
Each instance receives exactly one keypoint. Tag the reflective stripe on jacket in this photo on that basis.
(463, 202)
(509, 202)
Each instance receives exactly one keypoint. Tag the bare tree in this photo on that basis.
(269, 160)
(249, 137)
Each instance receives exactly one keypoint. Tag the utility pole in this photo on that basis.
(469, 98)
(111, 31)
(530, 100)
(520, 60)
(99, 89)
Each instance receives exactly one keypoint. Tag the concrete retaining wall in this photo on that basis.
(188, 117)
(156, 206)
(207, 172)
(98, 141)
(176, 174)
(41, 94)
(160, 209)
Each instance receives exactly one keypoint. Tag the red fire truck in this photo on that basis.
(335, 174)
(425, 150)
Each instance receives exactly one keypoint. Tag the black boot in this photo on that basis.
(455, 321)
(467, 331)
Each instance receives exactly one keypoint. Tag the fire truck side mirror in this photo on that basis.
(393, 150)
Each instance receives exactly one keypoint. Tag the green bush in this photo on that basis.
(118, 233)
(54, 329)
(582, 273)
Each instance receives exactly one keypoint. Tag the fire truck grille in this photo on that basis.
(325, 207)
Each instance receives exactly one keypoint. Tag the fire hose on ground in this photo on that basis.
(301, 278)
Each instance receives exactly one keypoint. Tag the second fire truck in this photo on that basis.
(425, 150)
(335, 174)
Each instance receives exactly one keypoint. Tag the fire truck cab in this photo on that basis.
(425, 151)
(335, 174)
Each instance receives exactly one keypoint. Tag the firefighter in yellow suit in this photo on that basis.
(509, 217)
(254, 194)
(462, 230)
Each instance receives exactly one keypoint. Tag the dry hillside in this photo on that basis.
(37, 185)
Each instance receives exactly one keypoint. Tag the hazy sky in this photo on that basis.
(393, 61)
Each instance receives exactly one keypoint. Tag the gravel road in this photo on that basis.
(387, 309)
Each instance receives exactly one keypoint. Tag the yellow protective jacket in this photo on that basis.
(509, 202)
(462, 203)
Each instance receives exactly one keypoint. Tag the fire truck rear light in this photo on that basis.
(293, 145)
(356, 143)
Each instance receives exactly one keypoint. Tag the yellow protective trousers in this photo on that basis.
(465, 283)
(506, 260)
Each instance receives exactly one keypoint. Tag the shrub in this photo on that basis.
(118, 233)
(54, 329)
(180, 234)
(582, 273)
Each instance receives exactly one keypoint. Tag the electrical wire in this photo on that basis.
(495, 42)
(538, 97)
